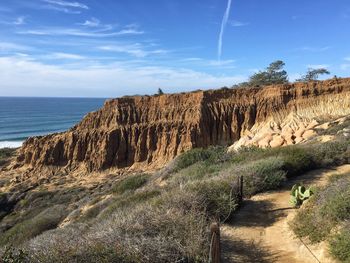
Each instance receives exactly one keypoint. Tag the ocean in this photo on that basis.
(21, 118)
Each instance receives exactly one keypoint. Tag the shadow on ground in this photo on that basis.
(247, 251)
(260, 213)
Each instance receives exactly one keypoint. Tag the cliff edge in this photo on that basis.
(149, 131)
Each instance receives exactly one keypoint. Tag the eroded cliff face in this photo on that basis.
(145, 131)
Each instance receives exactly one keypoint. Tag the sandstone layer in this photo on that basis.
(148, 131)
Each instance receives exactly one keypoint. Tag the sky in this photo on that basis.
(111, 48)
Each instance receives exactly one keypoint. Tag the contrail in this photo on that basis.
(223, 25)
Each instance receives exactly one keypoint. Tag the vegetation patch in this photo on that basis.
(211, 154)
(326, 211)
(5, 154)
(131, 183)
(144, 221)
(46, 220)
(340, 245)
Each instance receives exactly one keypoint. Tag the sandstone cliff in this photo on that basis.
(152, 130)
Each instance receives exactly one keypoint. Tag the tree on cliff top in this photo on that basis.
(313, 74)
(274, 74)
(160, 91)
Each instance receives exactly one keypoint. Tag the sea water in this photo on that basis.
(21, 118)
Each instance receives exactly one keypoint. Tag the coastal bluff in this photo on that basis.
(148, 131)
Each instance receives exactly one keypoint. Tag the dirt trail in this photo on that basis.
(259, 232)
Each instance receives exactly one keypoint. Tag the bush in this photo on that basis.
(327, 209)
(330, 153)
(12, 255)
(217, 198)
(297, 161)
(131, 183)
(5, 154)
(264, 175)
(340, 245)
(143, 234)
(211, 155)
(48, 219)
(129, 199)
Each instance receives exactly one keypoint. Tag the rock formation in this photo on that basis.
(149, 131)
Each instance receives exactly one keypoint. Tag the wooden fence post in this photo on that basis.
(215, 248)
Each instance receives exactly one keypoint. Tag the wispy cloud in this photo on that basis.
(93, 22)
(79, 33)
(96, 24)
(17, 22)
(8, 46)
(65, 56)
(66, 4)
(314, 49)
(223, 25)
(210, 63)
(61, 9)
(347, 58)
(236, 23)
(318, 66)
(136, 49)
(31, 78)
(63, 6)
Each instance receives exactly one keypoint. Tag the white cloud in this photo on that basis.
(314, 49)
(191, 59)
(93, 22)
(318, 66)
(79, 33)
(61, 9)
(229, 63)
(238, 23)
(22, 77)
(19, 21)
(8, 46)
(347, 58)
(67, 4)
(137, 50)
(65, 56)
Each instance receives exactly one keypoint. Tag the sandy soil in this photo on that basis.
(259, 232)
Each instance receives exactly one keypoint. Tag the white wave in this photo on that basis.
(10, 144)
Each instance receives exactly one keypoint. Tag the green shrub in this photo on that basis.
(307, 223)
(297, 161)
(216, 197)
(330, 153)
(129, 199)
(5, 154)
(94, 253)
(12, 255)
(328, 208)
(211, 155)
(198, 171)
(340, 245)
(46, 220)
(264, 175)
(131, 183)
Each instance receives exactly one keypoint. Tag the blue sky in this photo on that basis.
(110, 48)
